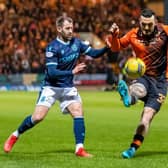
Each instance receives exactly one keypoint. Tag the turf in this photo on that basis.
(110, 127)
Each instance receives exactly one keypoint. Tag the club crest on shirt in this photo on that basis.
(74, 47)
(49, 54)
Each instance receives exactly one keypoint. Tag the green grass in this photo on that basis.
(110, 128)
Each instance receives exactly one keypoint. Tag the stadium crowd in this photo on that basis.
(27, 26)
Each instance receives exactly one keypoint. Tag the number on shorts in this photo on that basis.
(161, 98)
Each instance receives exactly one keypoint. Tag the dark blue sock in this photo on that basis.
(79, 130)
(26, 124)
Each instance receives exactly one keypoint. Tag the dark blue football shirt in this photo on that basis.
(61, 58)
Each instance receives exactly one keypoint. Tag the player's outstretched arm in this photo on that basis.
(112, 40)
(95, 53)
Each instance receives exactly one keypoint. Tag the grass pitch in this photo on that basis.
(109, 130)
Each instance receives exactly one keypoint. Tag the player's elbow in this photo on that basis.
(51, 73)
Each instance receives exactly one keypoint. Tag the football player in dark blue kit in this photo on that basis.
(61, 58)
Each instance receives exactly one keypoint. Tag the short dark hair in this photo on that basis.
(60, 20)
(147, 13)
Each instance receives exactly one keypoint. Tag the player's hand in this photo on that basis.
(114, 29)
(78, 68)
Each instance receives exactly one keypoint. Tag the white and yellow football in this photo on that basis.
(134, 68)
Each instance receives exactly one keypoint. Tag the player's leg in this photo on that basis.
(29, 122)
(71, 102)
(124, 93)
(39, 114)
(157, 91)
(141, 131)
(75, 110)
(130, 95)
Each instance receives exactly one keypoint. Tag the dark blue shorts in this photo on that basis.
(156, 91)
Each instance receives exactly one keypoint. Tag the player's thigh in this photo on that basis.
(48, 96)
(156, 94)
(70, 101)
(46, 99)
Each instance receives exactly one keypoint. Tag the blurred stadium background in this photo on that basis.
(26, 26)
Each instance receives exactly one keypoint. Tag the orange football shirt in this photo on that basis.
(153, 51)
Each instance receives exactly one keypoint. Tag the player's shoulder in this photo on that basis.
(52, 46)
(165, 27)
(80, 41)
(134, 30)
(132, 33)
(76, 40)
(53, 43)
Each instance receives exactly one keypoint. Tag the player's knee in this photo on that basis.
(37, 118)
(77, 112)
(147, 116)
(138, 90)
(145, 122)
(39, 114)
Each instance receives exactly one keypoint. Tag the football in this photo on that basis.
(134, 68)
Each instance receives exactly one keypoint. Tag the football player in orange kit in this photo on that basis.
(149, 41)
